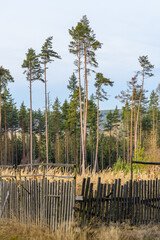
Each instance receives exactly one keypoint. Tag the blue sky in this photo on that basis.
(127, 29)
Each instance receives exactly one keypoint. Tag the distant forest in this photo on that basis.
(76, 131)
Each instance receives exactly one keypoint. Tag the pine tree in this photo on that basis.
(108, 127)
(33, 72)
(5, 77)
(101, 94)
(146, 72)
(23, 124)
(116, 117)
(56, 127)
(47, 56)
(84, 44)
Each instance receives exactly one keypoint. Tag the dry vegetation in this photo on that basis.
(12, 230)
(107, 176)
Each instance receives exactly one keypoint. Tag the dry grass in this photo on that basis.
(12, 230)
(107, 176)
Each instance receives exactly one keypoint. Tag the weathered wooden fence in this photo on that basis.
(133, 202)
(41, 202)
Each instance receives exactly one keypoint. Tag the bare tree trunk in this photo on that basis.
(46, 111)
(30, 121)
(6, 136)
(124, 147)
(80, 103)
(110, 148)
(23, 142)
(96, 167)
(40, 137)
(12, 147)
(139, 104)
(102, 157)
(127, 142)
(131, 136)
(117, 143)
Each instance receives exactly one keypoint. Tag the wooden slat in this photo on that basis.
(145, 198)
(85, 201)
(103, 201)
(111, 205)
(114, 201)
(82, 194)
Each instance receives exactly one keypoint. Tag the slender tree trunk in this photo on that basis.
(96, 167)
(67, 145)
(80, 103)
(23, 142)
(55, 148)
(46, 111)
(110, 148)
(58, 148)
(117, 142)
(139, 104)
(12, 147)
(85, 103)
(131, 136)
(6, 136)
(16, 148)
(102, 157)
(140, 130)
(127, 142)
(40, 138)
(124, 147)
(30, 121)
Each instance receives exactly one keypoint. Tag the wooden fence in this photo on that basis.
(41, 202)
(134, 202)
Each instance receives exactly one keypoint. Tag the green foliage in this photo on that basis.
(47, 54)
(139, 154)
(120, 165)
(32, 65)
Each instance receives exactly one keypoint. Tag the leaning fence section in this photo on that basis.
(41, 202)
(134, 202)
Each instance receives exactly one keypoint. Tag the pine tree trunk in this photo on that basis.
(40, 138)
(23, 142)
(58, 147)
(127, 142)
(80, 103)
(139, 104)
(46, 111)
(131, 136)
(96, 166)
(6, 135)
(85, 103)
(12, 146)
(124, 147)
(117, 142)
(110, 148)
(30, 121)
(102, 157)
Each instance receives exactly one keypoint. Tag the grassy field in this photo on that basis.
(12, 230)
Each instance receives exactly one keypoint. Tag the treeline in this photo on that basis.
(69, 132)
